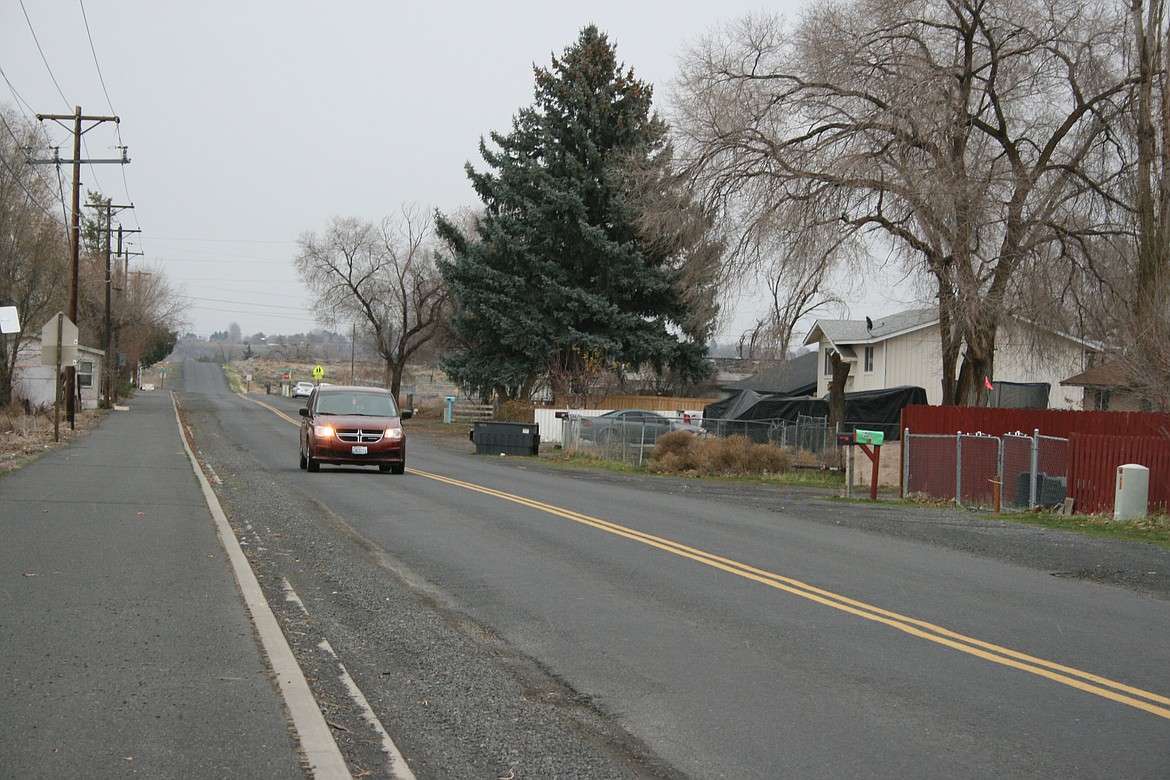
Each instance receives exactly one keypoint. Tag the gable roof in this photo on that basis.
(1112, 375)
(842, 333)
(797, 376)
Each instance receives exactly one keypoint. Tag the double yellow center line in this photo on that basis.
(1090, 683)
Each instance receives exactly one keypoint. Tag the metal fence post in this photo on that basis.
(959, 469)
(998, 489)
(905, 485)
(1033, 499)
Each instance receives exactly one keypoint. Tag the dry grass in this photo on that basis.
(25, 437)
(684, 453)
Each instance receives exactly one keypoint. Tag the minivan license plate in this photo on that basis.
(359, 450)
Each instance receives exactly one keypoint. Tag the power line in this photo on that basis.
(102, 79)
(42, 51)
(249, 304)
(32, 198)
(117, 128)
(220, 240)
(96, 66)
(46, 182)
(12, 88)
(20, 181)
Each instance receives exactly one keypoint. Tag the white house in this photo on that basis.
(904, 349)
(33, 382)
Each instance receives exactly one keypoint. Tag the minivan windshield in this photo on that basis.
(357, 403)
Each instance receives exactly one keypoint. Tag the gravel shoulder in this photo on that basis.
(456, 699)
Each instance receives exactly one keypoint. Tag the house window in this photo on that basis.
(85, 373)
(828, 362)
(868, 360)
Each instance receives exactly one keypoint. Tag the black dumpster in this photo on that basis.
(506, 438)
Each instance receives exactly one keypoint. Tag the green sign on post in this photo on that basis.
(874, 438)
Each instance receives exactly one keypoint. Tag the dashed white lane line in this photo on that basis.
(399, 768)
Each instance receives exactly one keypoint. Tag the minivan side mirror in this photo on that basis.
(407, 414)
(304, 411)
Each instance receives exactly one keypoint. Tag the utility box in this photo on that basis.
(1132, 499)
(1049, 490)
(506, 438)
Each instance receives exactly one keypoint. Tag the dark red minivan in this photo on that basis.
(353, 426)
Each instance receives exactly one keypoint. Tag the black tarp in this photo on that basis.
(1019, 395)
(730, 408)
(879, 410)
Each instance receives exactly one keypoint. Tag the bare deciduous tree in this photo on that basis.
(1147, 361)
(34, 249)
(958, 131)
(382, 277)
(147, 302)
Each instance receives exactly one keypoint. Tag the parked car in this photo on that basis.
(632, 425)
(354, 426)
(302, 390)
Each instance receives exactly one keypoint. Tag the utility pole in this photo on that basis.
(123, 293)
(75, 222)
(108, 331)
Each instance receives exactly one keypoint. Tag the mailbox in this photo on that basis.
(873, 438)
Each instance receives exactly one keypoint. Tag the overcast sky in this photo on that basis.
(251, 122)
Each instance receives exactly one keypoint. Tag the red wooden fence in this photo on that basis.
(1092, 470)
(1051, 422)
(1099, 442)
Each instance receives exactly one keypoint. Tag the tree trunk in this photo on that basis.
(394, 378)
(978, 366)
(949, 343)
(837, 390)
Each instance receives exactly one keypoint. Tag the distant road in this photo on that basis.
(503, 616)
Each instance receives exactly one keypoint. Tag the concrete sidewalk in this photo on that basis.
(125, 646)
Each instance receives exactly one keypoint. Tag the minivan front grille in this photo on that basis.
(359, 436)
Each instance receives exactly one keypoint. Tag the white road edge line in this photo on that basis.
(316, 740)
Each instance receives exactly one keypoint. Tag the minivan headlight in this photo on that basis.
(394, 433)
(323, 431)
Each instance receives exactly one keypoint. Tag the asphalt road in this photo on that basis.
(504, 619)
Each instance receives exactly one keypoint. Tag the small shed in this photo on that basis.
(33, 382)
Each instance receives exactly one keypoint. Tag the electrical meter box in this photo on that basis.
(1131, 500)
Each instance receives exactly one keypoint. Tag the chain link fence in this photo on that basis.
(634, 442)
(805, 433)
(625, 441)
(969, 468)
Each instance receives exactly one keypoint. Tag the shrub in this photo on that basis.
(681, 452)
(680, 444)
(806, 458)
(516, 410)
